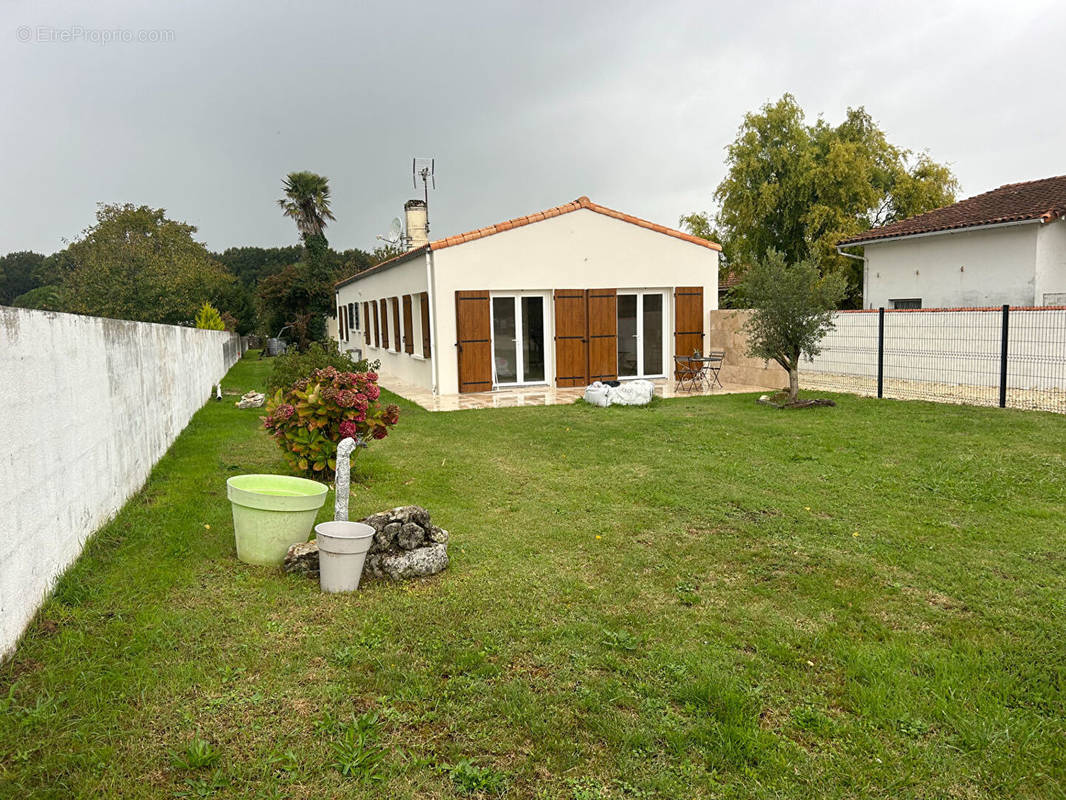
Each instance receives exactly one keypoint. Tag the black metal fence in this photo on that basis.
(1013, 357)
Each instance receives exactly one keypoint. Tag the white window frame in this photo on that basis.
(520, 365)
(641, 294)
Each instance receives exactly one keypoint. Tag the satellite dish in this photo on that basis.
(395, 233)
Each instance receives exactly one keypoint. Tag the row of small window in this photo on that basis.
(400, 324)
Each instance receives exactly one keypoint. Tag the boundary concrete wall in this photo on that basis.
(90, 405)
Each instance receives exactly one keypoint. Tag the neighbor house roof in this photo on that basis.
(729, 281)
(1043, 200)
(518, 222)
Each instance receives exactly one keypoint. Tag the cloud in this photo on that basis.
(523, 105)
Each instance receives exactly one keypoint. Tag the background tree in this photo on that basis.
(208, 318)
(19, 274)
(253, 264)
(307, 199)
(280, 301)
(699, 223)
(47, 298)
(135, 263)
(798, 188)
(792, 309)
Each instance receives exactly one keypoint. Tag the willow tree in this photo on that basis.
(799, 188)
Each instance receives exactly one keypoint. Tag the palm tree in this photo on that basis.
(307, 201)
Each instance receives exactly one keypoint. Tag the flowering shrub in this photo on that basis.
(310, 417)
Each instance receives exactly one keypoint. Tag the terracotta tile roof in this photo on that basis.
(581, 202)
(518, 222)
(1016, 202)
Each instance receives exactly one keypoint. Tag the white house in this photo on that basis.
(1006, 246)
(563, 297)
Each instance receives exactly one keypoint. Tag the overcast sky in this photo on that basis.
(524, 105)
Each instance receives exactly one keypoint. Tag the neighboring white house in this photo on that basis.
(563, 297)
(1007, 246)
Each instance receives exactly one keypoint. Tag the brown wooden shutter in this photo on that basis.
(571, 338)
(473, 327)
(426, 350)
(396, 324)
(340, 323)
(366, 323)
(384, 317)
(603, 334)
(688, 320)
(408, 341)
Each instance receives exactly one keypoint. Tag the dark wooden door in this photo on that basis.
(408, 339)
(473, 333)
(571, 338)
(603, 334)
(688, 320)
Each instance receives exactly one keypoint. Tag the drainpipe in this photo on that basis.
(865, 270)
(431, 295)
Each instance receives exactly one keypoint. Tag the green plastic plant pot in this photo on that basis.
(271, 513)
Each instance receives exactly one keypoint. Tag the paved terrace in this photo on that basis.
(533, 395)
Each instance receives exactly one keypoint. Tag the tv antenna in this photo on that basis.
(395, 235)
(424, 169)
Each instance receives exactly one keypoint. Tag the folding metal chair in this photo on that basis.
(712, 365)
(687, 371)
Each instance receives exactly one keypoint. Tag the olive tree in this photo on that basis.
(792, 309)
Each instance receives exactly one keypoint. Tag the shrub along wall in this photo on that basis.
(90, 405)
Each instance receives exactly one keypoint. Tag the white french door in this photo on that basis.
(518, 352)
(641, 334)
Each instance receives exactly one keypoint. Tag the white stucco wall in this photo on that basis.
(408, 277)
(1051, 264)
(578, 250)
(90, 405)
(987, 267)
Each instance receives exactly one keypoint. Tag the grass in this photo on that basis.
(703, 598)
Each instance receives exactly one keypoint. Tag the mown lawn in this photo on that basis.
(704, 598)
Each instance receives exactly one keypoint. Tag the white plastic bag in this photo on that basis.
(596, 394)
(631, 393)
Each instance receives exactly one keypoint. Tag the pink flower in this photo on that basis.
(284, 411)
(346, 398)
(373, 392)
(392, 414)
(372, 376)
(349, 429)
(380, 433)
